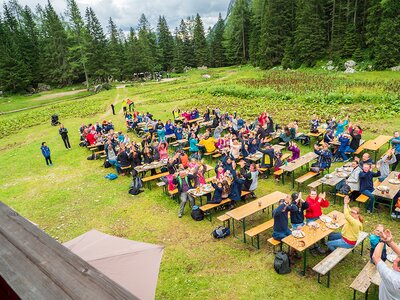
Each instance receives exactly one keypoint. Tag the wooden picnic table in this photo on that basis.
(375, 144)
(154, 165)
(376, 278)
(301, 161)
(258, 155)
(242, 212)
(317, 134)
(393, 189)
(312, 236)
(201, 193)
(199, 119)
(337, 176)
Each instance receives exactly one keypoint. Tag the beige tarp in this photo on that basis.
(131, 264)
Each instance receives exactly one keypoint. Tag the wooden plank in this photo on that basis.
(154, 177)
(211, 206)
(224, 218)
(305, 177)
(363, 280)
(301, 161)
(260, 228)
(71, 274)
(329, 262)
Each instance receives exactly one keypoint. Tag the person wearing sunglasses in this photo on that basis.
(350, 231)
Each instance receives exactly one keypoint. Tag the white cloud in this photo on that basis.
(126, 13)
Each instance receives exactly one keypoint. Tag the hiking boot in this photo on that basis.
(313, 252)
(180, 216)
(321, 250)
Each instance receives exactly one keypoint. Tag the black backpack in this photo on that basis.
(221, 232)
(107, 164)
(197, 213)
(282, 263)
(345, 189)
(135, 186)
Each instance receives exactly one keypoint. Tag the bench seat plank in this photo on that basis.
(305, 177)
(260, 228)
(363, 280)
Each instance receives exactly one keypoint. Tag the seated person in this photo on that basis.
(285, 136)
(314, 124)
(295, 151)
(268, 152)
(325, 156)
(374, 240)
(281, 221)
(384, 163)
(208, 143)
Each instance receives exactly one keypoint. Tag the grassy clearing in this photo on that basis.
(72, 197)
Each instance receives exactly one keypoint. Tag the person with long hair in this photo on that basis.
(353, 225)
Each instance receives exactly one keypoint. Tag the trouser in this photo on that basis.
(184, 198)
(113, 110)
(396, 163)
(116, 164)
(131, 107)
(66, 142)
(48, 161)
(335, 240)
(278, 235)
(371, 199)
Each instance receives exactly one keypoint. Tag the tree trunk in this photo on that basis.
(355, 12)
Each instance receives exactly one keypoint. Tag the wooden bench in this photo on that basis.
(314, 184)
(275, 243)
(328, 263)
(279, 173)
(186, 148)
(217, 155)
(285, 156)
(225, 218)
(362, 199)
(363, 280)
(153, 177)
(126, 168)
(337, 194)
(210, 153)
(305, 177)
(256, 231)
(210, 206)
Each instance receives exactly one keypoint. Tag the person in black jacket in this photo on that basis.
(267, 160)
(218, 188)
(64, 135)
(297, 208)
(184, 183)
(123, 158)
(367, 184)
(281, 221)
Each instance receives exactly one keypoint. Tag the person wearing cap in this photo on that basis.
(267, 161)
(281, 220)
(297, 208)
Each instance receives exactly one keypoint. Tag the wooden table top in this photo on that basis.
(377, 143)
(196, 120)
(335, 179)
(320, 132)
(146, 167)
(313, 235)
(376, 279)
(393, 188)
(253, 206)
(301, 161)
(258, 155)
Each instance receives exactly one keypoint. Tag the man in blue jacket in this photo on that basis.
(396, 145)
(281, 221)
(367, 184)
(46, 154)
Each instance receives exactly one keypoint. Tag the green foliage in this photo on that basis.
(199, 43)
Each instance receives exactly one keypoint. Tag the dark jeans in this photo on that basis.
(277, 235)
(48, 161)
(396, 163)
(371, 199)
(66, 142)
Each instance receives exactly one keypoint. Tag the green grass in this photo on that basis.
(72, 197)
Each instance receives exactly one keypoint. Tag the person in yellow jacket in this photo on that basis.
(208, 143)
(351, 229)
(124, 104)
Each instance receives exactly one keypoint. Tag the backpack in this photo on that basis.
(135, 186)
(111, 176)
(345, 189)
(107, 164)
(221, 232)
(282, 263)
(197, 213)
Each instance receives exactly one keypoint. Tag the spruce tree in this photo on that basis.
(217, 49)
(199, 43)
(165, 44)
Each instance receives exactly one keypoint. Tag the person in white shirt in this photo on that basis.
(389, 289)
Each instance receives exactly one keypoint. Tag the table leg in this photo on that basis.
(233, 227)
(292, 179)
(244, 230)
(376, 153)
(303, 273)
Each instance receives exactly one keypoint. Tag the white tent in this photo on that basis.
(133, 265)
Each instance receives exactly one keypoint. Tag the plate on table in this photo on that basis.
(313, 224)
(391, 257)
(340, 169)
(154, 162)
(394, 181)
(382, 188)
(332, 225)
(325, 219)
(298, 234)
(328, 176)
(341, 175)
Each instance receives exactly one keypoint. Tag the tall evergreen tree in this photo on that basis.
(165, 44)
(237, 33)
(114, 60)
(179, 53)
(146, 45)
(216, 44)
(199, 43)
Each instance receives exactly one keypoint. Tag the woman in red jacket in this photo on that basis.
(313, 212)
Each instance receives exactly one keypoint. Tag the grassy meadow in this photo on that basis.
(72, 197)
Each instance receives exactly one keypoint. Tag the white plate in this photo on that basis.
(383, 188)
(332, 225)
(313, 224)
(325, 219)
(394, 181)
(391, 257)
(298, 234)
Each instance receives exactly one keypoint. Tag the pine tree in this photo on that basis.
(96, 47)
(199, 43)
(165, 44)
(388, 41)
(146, 46)
(185, 36)
(179, 53)
(350, 44)
(310, 37)
(257, 14)
(217, 49)
(78, 40)
(114, 60)
(373, 21)
(237, 33)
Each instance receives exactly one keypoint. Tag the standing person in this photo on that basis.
(390, 284)
(124, 103)
(396, 145)
(46, 154)
(313, 212)
(113, 108)
(352, 227)
(367, 184)
(64, 135)
(183, 181)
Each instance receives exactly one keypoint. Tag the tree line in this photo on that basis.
(43, 46)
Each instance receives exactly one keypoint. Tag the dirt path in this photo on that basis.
(51, 96)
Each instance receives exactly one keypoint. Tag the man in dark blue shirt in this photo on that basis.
(367, 184)
(280, 214)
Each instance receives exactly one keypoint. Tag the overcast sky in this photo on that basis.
(126, 13)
